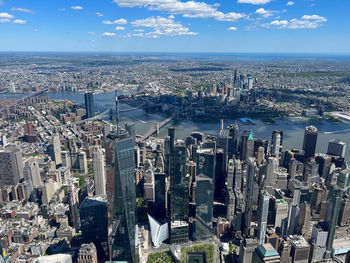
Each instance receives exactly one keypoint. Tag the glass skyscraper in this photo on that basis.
(123, 220)
(89, 104)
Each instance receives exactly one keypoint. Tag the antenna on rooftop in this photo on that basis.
(117, 109)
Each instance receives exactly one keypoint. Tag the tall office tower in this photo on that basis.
(94, 222)
(149, 186)
(260, 155)
(220, 174)
(98, 163)
(271, 169)
(261, 143)
(264, 202)
(323, 161)
(337, 148)
(204, 193)
(304, 226)
(179, 190)
(31, 173)
(250, 82)
(343, 180)
(204, 207)
(124, 194)
(233, 139)
(238, 175)
(293, 216)
(318, 242)
(310, 140)
(87, 253)
(274, 133)
(230, 173)
(247, 145)
(344, 215)
(276, 144)
(235, 77)
(55, 149)
(31, 170)
(11, 167)
(89, 104)
(246, 250)
(79, 162)
(300, 249)
(251, 173)
(334, 203)
(281, 212)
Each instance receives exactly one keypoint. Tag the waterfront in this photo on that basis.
(293, 128)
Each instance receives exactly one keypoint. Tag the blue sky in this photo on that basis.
(282, 26)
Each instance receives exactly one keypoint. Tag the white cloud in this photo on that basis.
(232, 28)
(139, 30)
(254, 2)
(4, 20)
(61, 9)
(36, 30)
(25, 10)
(118, 28)
(77, 7)
(290, 3)
(265, 13)
(6, 16)
(19, 21)
(91, 33)
(108, 34)
(98, 14)
(314, 17)
(279, 23)
(305, 22)
(161, 26)
(120, 21)
(190, 9)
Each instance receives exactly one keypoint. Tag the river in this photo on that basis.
(293, 128)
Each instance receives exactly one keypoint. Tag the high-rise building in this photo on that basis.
(300, 249)
(264, 202)
(87, 253)
(246, 145)
(276, 142)
(124, 196)
(233, 139)
(55, 150)
(179, 190)
(343, 180)
(281, 212)
(304, 226)
(251, 174)
(246, 250)
(98, 163)
(79, 162)
(89, 104)
(204, 207)
(31, 173)
(310, 140)
(94, 222)
(265, 253)
(337, 148)
(11, 167)
(334, 203)
(149, 186)
(344, 216)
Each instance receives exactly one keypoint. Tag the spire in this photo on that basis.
(117, 110)
(251, 137)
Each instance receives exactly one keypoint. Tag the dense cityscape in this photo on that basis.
(82, 183)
